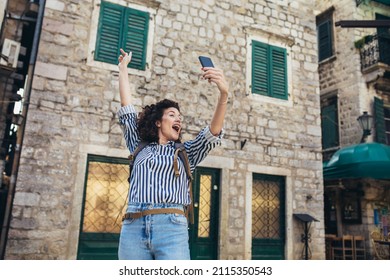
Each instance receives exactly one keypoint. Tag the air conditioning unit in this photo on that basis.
(10, 53)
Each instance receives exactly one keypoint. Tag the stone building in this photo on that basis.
(68, 183)
(354, 65)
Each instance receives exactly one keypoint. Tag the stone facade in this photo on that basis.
(342, 75)
(346, 79)
(74, 101)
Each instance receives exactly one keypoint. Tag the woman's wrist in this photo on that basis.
(123, 70)
(223, 98)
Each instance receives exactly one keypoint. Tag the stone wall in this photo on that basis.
(354, 95)
(73, 107)
(355, 89)
(336, 76)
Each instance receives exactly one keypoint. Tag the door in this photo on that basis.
(204, 232)
(268, 217)
(105, 192)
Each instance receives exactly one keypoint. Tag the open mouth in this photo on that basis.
(176, 127)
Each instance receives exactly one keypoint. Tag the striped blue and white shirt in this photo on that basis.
(153, 177)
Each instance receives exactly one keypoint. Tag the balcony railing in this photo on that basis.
(374, 49)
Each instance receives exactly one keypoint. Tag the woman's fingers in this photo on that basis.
(124, 57)
(214, 75)
(123, 52)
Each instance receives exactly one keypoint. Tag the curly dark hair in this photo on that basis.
(146, 123)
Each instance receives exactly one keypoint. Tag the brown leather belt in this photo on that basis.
(138, 215)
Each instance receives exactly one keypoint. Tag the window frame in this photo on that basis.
(105, 160)
(270, 67)
(386, 107)
(262, 247)
(327, 102)
(109, 34)
(351, 207)
(94, 33)
(326, 18)
(276, 40)
(381, 134)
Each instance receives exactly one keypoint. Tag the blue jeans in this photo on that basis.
(154, 237)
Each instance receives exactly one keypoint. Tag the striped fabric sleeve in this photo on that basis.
(128, 122)
(198, 148)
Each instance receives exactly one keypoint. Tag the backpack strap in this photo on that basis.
(181, 152)
(131, 158)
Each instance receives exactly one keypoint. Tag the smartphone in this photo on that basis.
(206, 61)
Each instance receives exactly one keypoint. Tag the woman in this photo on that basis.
(153, 185)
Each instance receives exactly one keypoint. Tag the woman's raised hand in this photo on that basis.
(215, 75)
(124, 88)
(124, 60)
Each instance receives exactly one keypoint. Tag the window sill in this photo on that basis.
(270, 100)
(327, 60)
(335, 148)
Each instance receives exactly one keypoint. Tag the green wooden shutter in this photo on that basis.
(269, 70)
(380, 133)
(122, 27)
(329, 126)
(110, 32)
(383, 40)
(137, 25)
(260, 84)
(324, 40)
(278, 73)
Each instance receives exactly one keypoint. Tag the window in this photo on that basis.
(325, 35)
(269, 70)
(383, 40)
(351, 209)
(386, 111)
(329, 123)
(382, 121)
(105, 193)
(122, 27)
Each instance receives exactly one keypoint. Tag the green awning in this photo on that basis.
(366, 160)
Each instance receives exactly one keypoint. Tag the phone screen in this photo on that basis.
(206, 61)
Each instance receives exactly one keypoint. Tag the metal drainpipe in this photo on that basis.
(20, 136)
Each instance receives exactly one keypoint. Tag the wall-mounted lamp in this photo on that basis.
(33, 6)
(365, 122)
